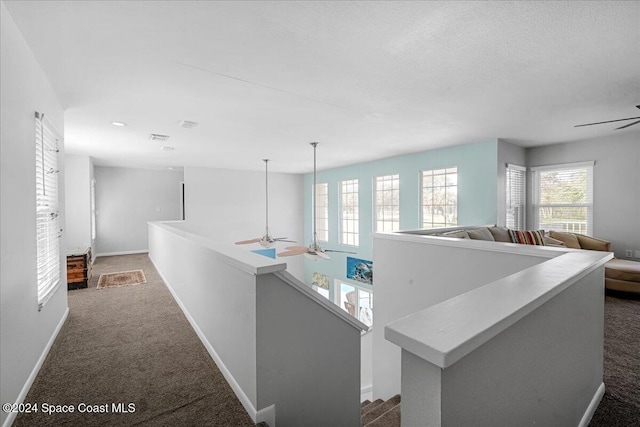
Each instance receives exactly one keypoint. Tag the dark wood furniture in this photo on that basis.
(78, 268)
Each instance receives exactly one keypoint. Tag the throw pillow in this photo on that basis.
(570, 240)
(500, 234)
(534, 237)
(460, 234)
(480, 234)
(549, 241)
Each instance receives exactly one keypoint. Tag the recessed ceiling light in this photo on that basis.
(120, 124)
(167, 148)
(170, 168)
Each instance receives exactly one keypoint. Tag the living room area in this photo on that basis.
(429, 115)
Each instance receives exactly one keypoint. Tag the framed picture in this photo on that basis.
(360, 270)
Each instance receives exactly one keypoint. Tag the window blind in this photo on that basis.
(563, 197)
(516, 197)
(47, 229)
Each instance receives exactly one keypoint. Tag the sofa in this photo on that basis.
(620, 274)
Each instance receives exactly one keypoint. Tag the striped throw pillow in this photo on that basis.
(534, 237)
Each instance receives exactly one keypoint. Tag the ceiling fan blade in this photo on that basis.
(608, 121)
(322, 255)
(246, 242)
(283, 239)
(630, 124)
(296, 250)
(290, 248)
(342, 252)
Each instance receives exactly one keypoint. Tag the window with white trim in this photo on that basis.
(93, 209)
(322, 211)
(563, 197)
(515, 202)
(439, 198)
(349, 215)
(47, 229)
(387, 203)
(355, 300)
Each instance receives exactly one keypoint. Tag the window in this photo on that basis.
(387, 203)
(93, 209)
(349, 231)
(563, 197)
(516, 197)
(322, 211)
(356, 301)
(47, 230)
(439, 198)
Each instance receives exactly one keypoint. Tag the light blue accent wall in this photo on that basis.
(477, 165)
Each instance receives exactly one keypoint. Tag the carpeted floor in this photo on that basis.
(620, 406)
(131, 344)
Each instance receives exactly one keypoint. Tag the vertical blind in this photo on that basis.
(563, 197)
(516, 197)
(47, 229)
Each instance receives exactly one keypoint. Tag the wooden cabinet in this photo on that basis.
(78, 268)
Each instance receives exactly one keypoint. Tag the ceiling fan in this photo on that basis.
(313, 251)
(267, 240)
(618, 120)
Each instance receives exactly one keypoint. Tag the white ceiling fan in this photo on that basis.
(267, 240)
(313, 251)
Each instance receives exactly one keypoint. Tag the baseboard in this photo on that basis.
(268, 415)
(34, 373)
(366, 393)
(244, 399)
(140, 251)
(593, 405)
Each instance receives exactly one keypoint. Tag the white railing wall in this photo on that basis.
(410, 276)
(522, 349)
(291, 356)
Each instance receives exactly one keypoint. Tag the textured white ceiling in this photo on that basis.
(366, 79)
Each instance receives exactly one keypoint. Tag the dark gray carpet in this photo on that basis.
(131, 344)
(620, 406)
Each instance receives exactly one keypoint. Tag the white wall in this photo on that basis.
(25, 332)
(229, 205)
(78, 201)
(507, 153)
(126, 198)
(307, 358)
(411, 276)
(616, 183)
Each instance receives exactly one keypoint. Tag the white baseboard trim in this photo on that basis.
(268, 415)
(244, 399)
(34, 373)
(141, 251)
(366, 393)
(593, 405)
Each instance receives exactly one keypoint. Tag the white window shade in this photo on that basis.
(563, 197)
(516, 197)
(47, 223)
